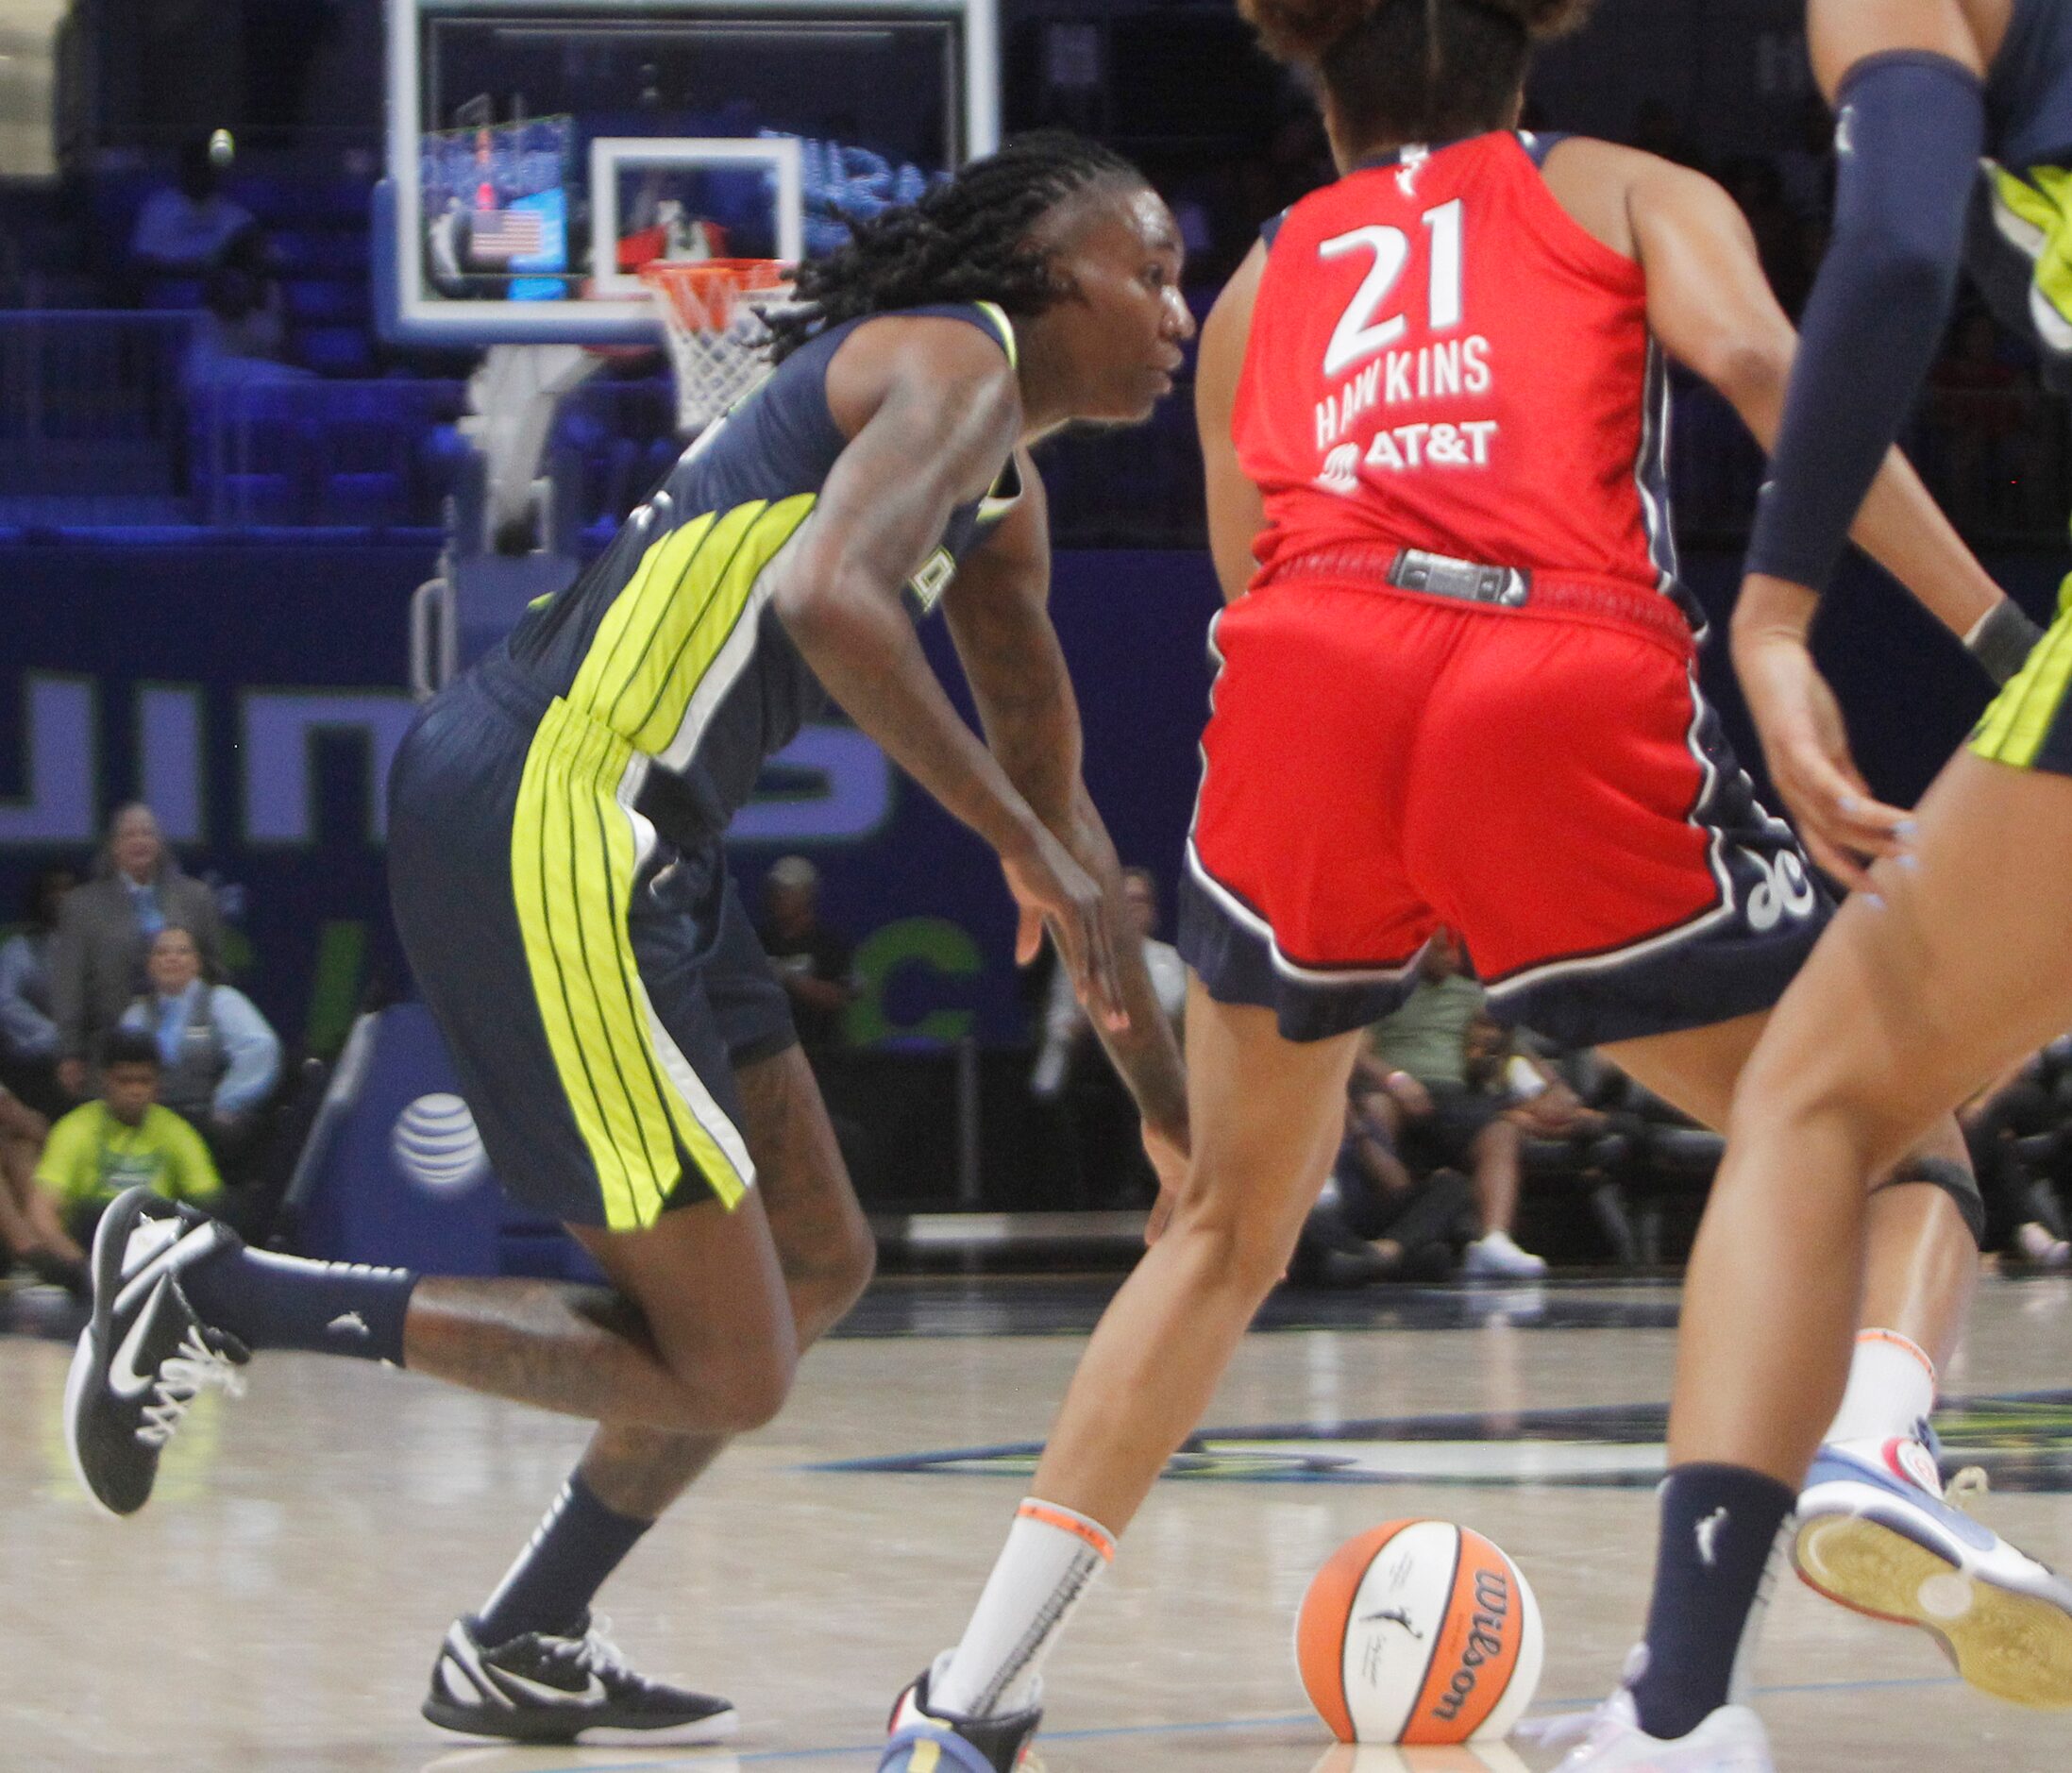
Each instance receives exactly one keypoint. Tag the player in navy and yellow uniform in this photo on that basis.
(609, 983)
(1456, 686)
(1953, 958)
(556, 826)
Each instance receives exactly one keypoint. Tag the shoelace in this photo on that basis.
(1967, 1487)
(183, 1377)
(602, 1657)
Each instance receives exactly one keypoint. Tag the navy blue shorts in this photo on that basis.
(596, 987)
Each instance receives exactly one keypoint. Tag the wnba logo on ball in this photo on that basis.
(437, 1145)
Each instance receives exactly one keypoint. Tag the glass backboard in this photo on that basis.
(541, 151)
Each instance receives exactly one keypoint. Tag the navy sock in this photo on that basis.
(549, 1588)
(1720, 1524)
(282, 1302)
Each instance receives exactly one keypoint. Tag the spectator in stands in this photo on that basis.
(185, 230)
(813, 962)
(1374, 1219)
(1101, 1125)
(28, 1030)
(97, 967)
(123, 1139)
(31, 1231)
(1440, 1099)
(218, 1058)
(241, 336)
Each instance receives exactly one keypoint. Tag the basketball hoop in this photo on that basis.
(711, 310)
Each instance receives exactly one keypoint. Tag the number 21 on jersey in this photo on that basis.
(1358, 335)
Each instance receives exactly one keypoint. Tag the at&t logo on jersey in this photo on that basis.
(1407, 448)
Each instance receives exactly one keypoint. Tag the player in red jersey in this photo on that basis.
(1458, 687)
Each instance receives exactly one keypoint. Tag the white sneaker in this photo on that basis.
(1496, 1255)
(1731, 1740)
(1875, 1533)
(2037, 1245)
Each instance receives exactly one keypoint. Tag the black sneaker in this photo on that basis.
(927, 1739)
(540, 1688)
(145, 1354)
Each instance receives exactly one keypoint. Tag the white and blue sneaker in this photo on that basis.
(1730, 1740)
(1878, 1533)
(924, 1738)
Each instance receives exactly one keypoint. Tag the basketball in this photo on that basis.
(1420, 1632)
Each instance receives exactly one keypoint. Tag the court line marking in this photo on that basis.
(717, 1754)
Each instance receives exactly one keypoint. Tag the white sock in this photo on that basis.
(1050, 1558)
(1892, 1387)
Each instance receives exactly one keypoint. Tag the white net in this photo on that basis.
(712, 311)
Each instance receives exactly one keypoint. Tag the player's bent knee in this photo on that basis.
(1226, 1250)
(743, 1394)
(855, 1266)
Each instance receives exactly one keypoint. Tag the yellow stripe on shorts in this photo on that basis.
(573, 864)
(2016, 726)
(664, 631)
(2040, 202)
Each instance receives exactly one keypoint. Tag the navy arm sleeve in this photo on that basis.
(1913, 129)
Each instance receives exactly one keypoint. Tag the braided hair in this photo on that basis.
(964, 241)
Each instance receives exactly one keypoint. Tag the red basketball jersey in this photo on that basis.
(1441, 357)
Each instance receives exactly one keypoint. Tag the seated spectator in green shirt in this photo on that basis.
(123, 1139)
(1419, 1080)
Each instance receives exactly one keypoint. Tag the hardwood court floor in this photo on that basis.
(278, 1604)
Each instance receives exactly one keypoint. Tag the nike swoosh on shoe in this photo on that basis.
(177, 1253)
(124, 1378)
(593, 1696)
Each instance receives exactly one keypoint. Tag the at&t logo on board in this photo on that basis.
(436, 1143)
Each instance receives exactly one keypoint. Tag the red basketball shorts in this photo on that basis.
(1545, 781)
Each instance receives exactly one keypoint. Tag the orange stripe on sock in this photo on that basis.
(1070, 1524)
(1899, 1340)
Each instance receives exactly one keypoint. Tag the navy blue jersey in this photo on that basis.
(669, 642)
(2029, 87)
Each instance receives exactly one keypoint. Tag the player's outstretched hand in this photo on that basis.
(1054, 891)
(1805, 741)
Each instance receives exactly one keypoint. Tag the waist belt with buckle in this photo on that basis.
(1415, 570)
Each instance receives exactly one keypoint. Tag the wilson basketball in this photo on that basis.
(1420, 1632)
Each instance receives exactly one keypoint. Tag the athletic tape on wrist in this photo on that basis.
(2003, 640)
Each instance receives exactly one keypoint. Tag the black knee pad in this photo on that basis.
(1955, 1180)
